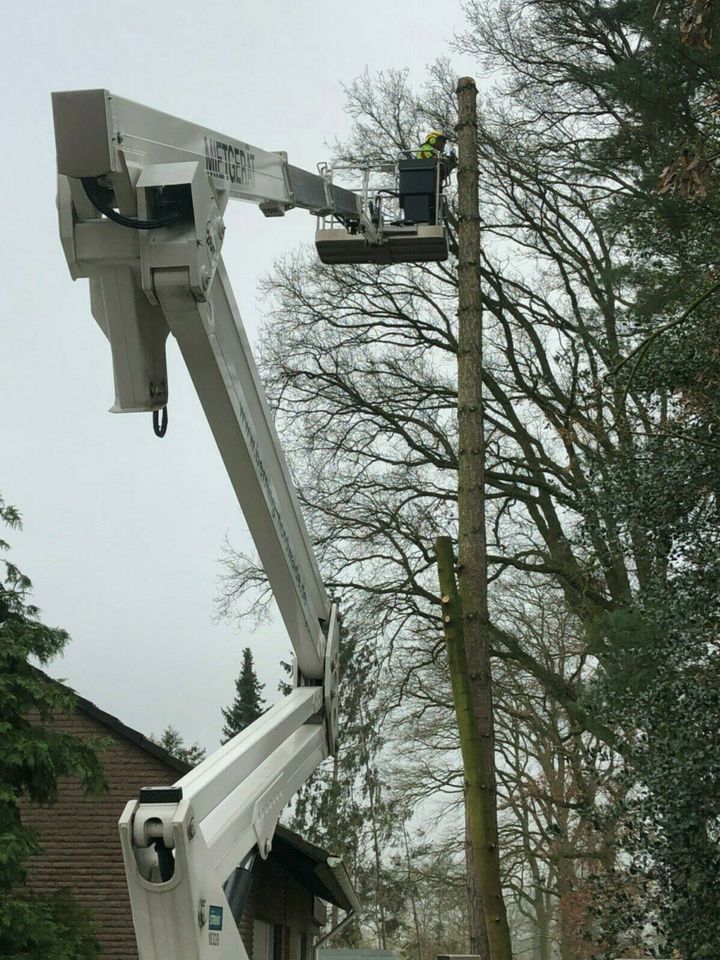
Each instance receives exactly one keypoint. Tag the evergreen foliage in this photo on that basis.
(172, 741)
(249, 704)
(34, 756)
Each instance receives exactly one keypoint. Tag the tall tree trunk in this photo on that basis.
(371, 783)
(411, 892)
(484, 888)
(477, 931)
(542, 925)
(566, 927)
(477, 734)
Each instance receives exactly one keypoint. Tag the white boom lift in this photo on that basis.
(141, 197)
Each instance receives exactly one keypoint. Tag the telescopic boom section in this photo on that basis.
(97, 133)
(141, 197)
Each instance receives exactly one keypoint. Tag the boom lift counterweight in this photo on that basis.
(141, 197)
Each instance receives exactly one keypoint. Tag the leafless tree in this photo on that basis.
(360, 362)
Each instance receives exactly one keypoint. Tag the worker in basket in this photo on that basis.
(434, 148)
(434, 145)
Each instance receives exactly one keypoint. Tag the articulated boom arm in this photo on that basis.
(140, 201)
(146, 283)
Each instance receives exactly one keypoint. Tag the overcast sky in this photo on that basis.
(123, 532)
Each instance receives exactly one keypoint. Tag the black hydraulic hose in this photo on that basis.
(99, 196)
(237, 887)
(166, 861)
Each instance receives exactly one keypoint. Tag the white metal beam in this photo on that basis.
(213, 780)
(98, 133)
(218, 356)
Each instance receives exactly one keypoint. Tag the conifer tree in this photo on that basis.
(249, 704)
(35, 755)
(172, 740)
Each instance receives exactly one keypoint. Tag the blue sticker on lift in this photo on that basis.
(215, 918)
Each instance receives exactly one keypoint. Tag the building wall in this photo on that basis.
(80, 837)
(278, 900)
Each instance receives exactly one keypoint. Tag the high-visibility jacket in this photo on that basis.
(428, 150)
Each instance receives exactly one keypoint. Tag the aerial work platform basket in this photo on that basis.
(401, 215)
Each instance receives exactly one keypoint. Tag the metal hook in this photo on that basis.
(160, 425)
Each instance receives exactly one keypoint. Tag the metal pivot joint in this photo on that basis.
(182, 844)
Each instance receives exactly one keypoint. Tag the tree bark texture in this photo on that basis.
(477, 931)
(486, 907)
(479, 749)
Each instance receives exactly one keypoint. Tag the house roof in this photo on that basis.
(129, 734)
(320, 872)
